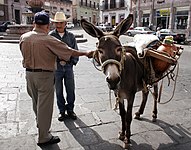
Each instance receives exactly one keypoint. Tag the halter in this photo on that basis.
(120, 63)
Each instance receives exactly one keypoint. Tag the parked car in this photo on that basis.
(69, 25)
(139, 30)
(104, 27)
(178, 37)
(4, 26)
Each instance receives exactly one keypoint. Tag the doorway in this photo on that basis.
(17, 16)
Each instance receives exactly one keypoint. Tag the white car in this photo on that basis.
(104, 27)
(139, 30)
(69, 25)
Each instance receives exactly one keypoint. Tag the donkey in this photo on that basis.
(124, 72)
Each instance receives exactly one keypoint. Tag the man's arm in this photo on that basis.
(76, 53)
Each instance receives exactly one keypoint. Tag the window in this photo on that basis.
(112, 4)
(181, 20)
(106, 4)
(122, 3)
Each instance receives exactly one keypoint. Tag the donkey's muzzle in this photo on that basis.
(113, 83)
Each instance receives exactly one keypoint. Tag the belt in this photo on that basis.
(37, 70)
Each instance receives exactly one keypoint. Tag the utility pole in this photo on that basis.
(12, 9)
(138, 20)
(151, 18)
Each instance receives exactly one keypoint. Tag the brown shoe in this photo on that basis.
(72, 115)
(53, 140)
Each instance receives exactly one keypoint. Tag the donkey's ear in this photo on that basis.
(91, 29)
(123, 26)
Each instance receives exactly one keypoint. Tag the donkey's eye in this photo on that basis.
(119, 50)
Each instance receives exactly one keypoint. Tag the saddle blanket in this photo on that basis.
(141, 41)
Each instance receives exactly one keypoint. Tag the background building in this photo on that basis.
(52, 6)
(171, 14)
(18, 10)
(113, 11)
(87, 9)
(3, 10)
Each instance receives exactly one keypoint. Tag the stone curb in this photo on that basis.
(14, 39)
(79, 40)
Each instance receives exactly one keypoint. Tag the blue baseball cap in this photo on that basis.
(41, 18)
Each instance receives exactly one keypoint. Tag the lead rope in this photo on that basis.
(94, 62)
(110, 98)
(121, 67)
(174, 88)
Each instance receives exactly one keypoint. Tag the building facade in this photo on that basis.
(170, 14)
(3, 10)
(87, 9)
(113, 11)
(52, 6)
(19, 10)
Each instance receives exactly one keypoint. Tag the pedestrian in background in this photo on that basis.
(158, 33)
(39, 51)
(64, 72)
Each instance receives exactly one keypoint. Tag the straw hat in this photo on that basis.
(168, 40)
(59, 17)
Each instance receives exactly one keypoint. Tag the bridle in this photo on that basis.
(120, 63)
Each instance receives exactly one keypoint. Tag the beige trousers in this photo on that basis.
(40, 87)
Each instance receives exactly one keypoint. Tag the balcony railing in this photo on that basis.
(112, 6)
(67, 1)
(89, 5)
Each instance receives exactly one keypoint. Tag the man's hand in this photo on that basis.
(90, 54)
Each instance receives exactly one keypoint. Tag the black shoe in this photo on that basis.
(72, 115)
(61, 117)
(53, 140)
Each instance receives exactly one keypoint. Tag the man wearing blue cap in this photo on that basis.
(39, 51)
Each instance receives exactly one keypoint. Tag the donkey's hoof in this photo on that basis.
(121, 136)
(154, 119)
(127, 144)
(137, 116)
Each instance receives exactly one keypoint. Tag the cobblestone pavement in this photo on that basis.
(97, 125)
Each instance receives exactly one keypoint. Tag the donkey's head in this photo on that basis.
(109, 53)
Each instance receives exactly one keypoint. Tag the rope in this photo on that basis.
(173, 88)
(149, 88)
(94, 62)
(110, 98)
(119, 64)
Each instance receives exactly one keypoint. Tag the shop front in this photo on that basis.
(162, 18)
(181, 18)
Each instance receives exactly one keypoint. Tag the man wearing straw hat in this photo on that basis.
(64, 72)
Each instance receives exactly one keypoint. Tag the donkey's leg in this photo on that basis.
(143, 103)
(122, 114)
(155, 95)
(129, 119)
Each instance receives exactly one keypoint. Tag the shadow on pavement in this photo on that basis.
(88, 138)
(177, 133)
(50, 147)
